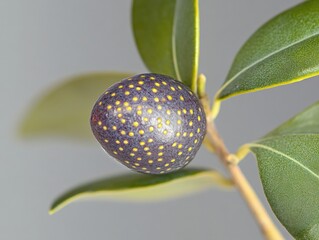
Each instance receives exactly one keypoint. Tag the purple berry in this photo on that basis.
(151, 123)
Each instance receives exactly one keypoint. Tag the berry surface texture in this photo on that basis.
(151, 123)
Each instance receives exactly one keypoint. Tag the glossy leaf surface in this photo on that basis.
(283, 51)
(288, 161)
(140, 188)
(65, 109)
(167, 36)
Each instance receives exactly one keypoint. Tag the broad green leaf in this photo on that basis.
(140, 188)
(288, 162)
(167, 37)
(65, 109)
(284, 50)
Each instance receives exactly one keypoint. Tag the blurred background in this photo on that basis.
(43, 42)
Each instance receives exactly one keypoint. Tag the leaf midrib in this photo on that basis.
(232, 79)
(285, 156)
(174, 51)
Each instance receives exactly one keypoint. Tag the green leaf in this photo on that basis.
(140, 188)
(288, 162)
(284, 50)
(167, 36)
(65, 109)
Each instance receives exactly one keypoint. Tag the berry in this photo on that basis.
(151, 123)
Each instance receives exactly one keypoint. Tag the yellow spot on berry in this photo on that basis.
(179, 122)
(115, 152)
(156, 99)
(164, 83)
(159, 120)
(139, 112)
(131, 86)
(123, 120)
(151, 129)
(105, 140)
(100, 103)
(129, 108)
(149, 111)
(142, 143)
(174, 144)
(191, 134)
(150, 140)
(159, 125)
(161, 147)
(121, 86)
(146, 149)
(131, 134)
(179, 87)
(144, 99)
(165, 132)
(178, 134)
(139, 159)
(169, 97)
(140, 82)
(134, 149)
(121, 149)
(180, 153)
(138, 89)
(145, 119)
(136, 164)
(179, 112)
(190, 123)
(141, 132)
(168, 112)
(190, 149)
(99, 123)
(114, 127)
(191, 111)
(149, 154)
(172, 88)
(198, 130)
(159, 107)
(119, 109)
(181, 98)
(150, 161)
(132, 154)
(152, 78)
(160, 159)
(117, 142)
(154, 90)
(123, 132)
(184, 111)
(157, 84)
(160, 154)
(119, 115)
(195, 141)
(113, 94)
(127, 93)
(134, 99)
(104, 128)
(198, 118)
(158, 168)
(184, 134)
(166, 165)
(125, 142)
(168, 122)
(109, 107)
(135, 124)
(180, 145)
(173, 160)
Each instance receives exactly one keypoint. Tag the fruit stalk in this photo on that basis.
(266, 225)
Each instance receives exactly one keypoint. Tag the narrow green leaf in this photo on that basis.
(288, 161)
(167, 36)
(140, 188)
(283, 51)
(65, 109)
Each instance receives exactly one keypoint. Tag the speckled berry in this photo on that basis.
(151, 123)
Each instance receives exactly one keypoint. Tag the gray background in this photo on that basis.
(42, 42)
